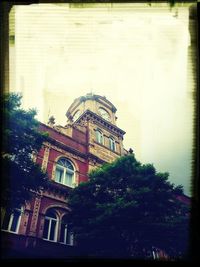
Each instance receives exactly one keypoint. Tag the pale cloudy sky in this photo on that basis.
(135, 55)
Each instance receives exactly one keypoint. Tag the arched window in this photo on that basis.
(50, 226)
(11, 221)
(66, 234)
(99, 137)
(112, 145)
(65, 172)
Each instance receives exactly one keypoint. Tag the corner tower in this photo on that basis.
(104, 138)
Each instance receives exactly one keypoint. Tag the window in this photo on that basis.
(155, 253)
(99, 137)
(11, 221)
(66, 235)
(112, 144)
(65, 172)
(50, 226)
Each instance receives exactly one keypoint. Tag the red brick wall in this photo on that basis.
(78, 142)
(40, 156)
(53, 154)
(83, 169)
(79, 136)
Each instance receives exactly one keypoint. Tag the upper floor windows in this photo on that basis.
(99, 137)
(107, 141)
(112, 145)
(11, 221)
(65, 173)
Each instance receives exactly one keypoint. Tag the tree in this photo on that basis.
(20, 176)
(127, 208)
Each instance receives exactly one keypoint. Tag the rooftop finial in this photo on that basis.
(51, 121)
(90, 93)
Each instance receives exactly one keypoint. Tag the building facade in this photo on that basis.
(90, 138)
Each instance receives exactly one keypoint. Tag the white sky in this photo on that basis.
(135, 55)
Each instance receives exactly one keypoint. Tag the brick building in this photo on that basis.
(89, 139)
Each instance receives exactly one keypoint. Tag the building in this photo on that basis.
(89, 139)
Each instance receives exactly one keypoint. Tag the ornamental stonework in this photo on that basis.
(24, 222)
(67, 154)
(35, 215)
(103, 153)
(54, 195)
(45, 158)
(77, 142)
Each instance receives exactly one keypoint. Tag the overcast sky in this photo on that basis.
(135, 55)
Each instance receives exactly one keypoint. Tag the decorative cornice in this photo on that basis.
(89, 115)
(56, 129)
(66, 148)
(57, 188)
(95, 158)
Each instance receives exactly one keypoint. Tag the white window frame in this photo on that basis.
(11, 221)
(99, 137)
(65, 234)
(50, 219)
(65, 172)
(71, 243)
(112, 144)
(155, 253)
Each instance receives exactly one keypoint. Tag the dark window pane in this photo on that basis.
(15, 220)
(69, 235)
(52, 230)
(69, 165)
(61, 162)
(63, 233)
(64, 219)
(65, 163)
(6, 221)
(69, 238)
(46, 228)
(51, 214)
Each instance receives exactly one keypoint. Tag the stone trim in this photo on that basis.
(89, 115)
(45, 158)
(61, 147)
(35, 215)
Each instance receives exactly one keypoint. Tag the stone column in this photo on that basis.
(45, 158)
(41, 226)
(36, 209)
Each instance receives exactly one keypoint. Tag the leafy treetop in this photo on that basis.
(21, 139)
(125, 209)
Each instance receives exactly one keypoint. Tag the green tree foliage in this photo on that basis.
(20, 176)
(127, 208)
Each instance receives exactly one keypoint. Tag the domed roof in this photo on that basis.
(90, 96)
